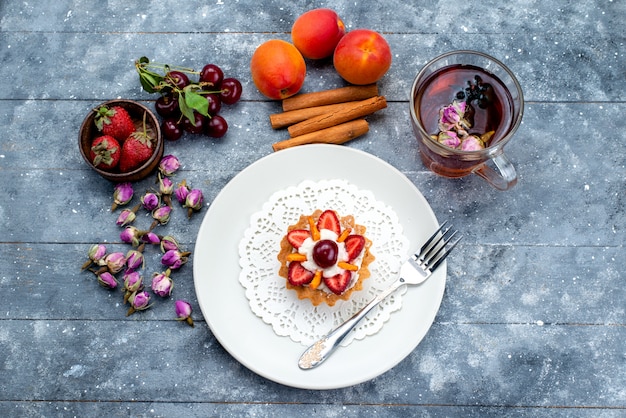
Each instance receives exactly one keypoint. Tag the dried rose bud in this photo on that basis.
(115, 262)
(138, 302)
(181, 192)
(166, 188)
(183, 311)
(127, 216)
(134, 259)
(107, 280)
(168, 242)
(193, 201)
(133, 283)
(449, 138)
(169, 165)
(162, 284)
(174, 259)
(122, 194)
(151, 238)
(131, 235)
(161, 215)
(96, 255)
(472, 143)
(150, 201)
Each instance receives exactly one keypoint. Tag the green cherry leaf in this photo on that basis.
(186, 110)
(197, 102)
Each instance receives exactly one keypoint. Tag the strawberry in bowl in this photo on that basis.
(125, 119)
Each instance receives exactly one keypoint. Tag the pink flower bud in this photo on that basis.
(169, 243)
(127, 216)
(449, 138)
(138, 302)
(96, 255)
(169, 165)
(162, 214)
(183, 311)
(174, 258)
(134, 259)
(115, 262)
(162, 284)
(472, 143)
(181, 192)
(133, 283)
(150, 201)
(193, 201)
(151, 238)
(131, 235)
(166, 187)
(122, 194)
(107, 280)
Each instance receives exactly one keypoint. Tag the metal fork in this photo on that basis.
(415, 270)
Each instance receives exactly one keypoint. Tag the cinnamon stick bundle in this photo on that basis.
(285, 119)
(332, 96)
(334, 135)
(344, 114)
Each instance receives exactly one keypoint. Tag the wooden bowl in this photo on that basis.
(88, 132)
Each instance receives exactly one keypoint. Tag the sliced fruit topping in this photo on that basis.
(338, 283)
(315, 233)
(354, 246)
(298, 275)
(329, 220)
(325, 253)
(344, 235)
(297, 236)
(317, 280)
(296, 257)
(347, 266)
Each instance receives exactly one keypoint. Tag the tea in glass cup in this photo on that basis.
(465, 106)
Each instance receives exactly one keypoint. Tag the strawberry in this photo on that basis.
(354, 246)
(114, 121)
(338, 283)
(329, 220)
(298, 275)
(297, 236)
(136, 150)
(105, 152)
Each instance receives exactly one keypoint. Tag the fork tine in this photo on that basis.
(426, 247)
(442, 256)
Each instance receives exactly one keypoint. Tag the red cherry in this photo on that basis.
(195, 127)
(215, 104)
(325, 253)
(171, 129)
(211, 74)
(216, 127)
(177, 79)
(231, 91)
(167, 105)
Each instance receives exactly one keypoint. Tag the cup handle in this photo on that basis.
(502, 179)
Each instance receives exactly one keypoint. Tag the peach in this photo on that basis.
(362, 56)
(317, 32)
(278, 69)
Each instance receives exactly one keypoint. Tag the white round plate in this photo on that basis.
(222, 298)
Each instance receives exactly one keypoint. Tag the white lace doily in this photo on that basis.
(280, 307)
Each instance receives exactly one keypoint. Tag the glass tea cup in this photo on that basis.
(465, 107)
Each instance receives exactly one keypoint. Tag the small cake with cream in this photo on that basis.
(324, 257)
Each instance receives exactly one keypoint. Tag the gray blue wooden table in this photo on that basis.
(533, 318)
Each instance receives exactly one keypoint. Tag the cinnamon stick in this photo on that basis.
(332, 96)
(349, 112)
(334, 135)
(284, 119)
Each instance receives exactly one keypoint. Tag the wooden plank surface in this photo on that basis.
(532, 322)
